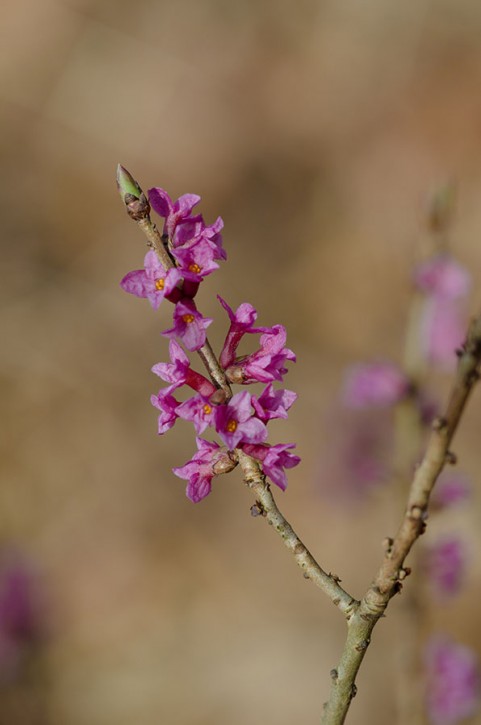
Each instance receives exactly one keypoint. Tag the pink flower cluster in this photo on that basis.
(444, 284)
(241, 421)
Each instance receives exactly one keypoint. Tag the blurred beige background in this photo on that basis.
(316, 130)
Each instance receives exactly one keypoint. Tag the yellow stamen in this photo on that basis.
(194, 268)
(188, 318)
(207, 409)
(231, 426)
(159, 284)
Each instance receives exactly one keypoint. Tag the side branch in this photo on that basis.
(267, 506)
(387, 581)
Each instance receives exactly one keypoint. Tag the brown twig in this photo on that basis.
(267, 507)
(387, 581)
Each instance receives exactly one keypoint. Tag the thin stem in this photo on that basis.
(267, 507)
(387, 581)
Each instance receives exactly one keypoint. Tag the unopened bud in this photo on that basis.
(136, 202)
(223, 464)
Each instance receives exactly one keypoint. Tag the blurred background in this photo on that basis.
(316, 129)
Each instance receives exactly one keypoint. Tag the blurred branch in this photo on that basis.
(387, 581)
(267, 507)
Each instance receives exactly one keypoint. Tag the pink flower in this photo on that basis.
(154, 282)
(235, 423)
(189, 325)
(20, 614)
(184, 229)
(199, 471)
(442, 331)
(178, 372)
(442, 277)
(197, 261)
(273, 403)
(174, 212)
(241, 323)
(446, 565)
(167, 404)
(377, 384)
(199, 410)
(355, 454)
(274, 460)
(452, 675)
(265, 364)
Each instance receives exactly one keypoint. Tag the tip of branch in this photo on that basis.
(126, 184)
(136, 202)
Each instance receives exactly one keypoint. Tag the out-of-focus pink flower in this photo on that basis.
(355, 453)
(442, 331)
(446, 564)
(442, 327)
(377, 384)
(442, 277)
(451, 489)
(452, 681)
(20, 615)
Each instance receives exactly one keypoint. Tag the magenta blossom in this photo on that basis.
(378, 384)
(453, 683)
(167, 404)
(274, 459)
(184, 229)
(442, 331)
(273, 403)
(197, 261)
(213, 236)
(174, 212)
(178, 372)
(442, 277)
(154, 282)
(265, 364)
(199, 410)
(241, 323)
(189, 325)
(446, 564)
(235, 423)
(201, 469)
